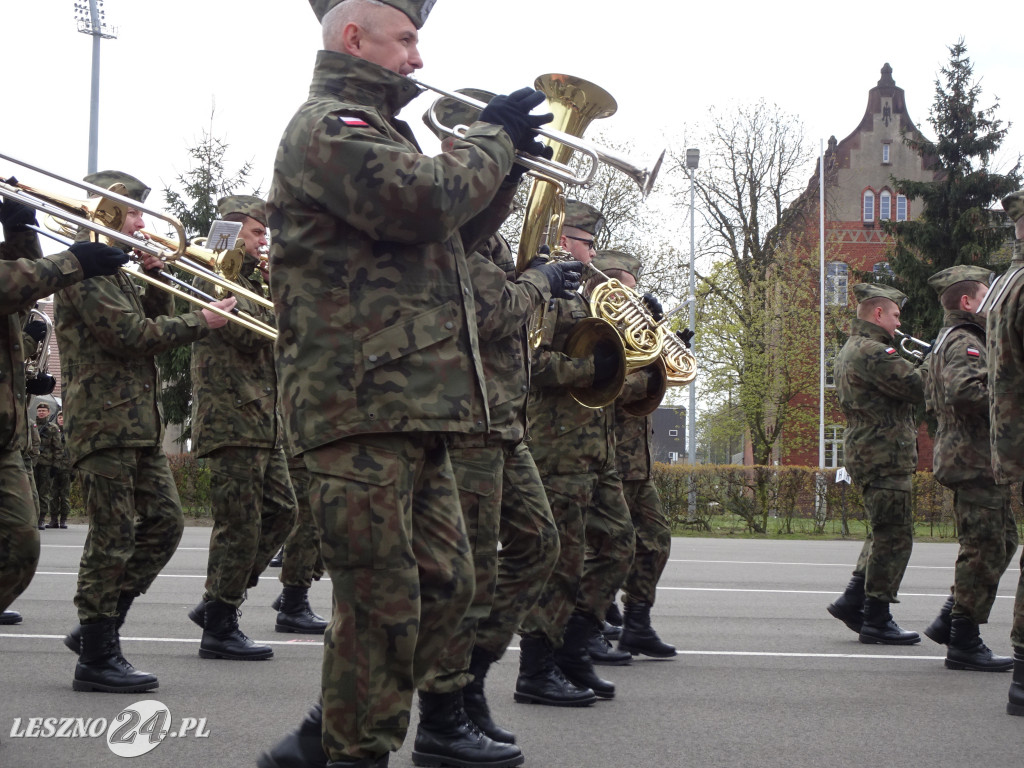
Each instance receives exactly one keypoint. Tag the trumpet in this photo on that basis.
(104, 216)
(913, 347)
(602, 106)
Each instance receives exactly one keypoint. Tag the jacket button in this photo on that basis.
(449, 325)
(372, 359)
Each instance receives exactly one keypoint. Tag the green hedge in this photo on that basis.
(191, 476)
(791, 500)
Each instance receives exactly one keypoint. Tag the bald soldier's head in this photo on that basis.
(374, 31)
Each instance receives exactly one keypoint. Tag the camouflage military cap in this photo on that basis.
(606, 260)
(451, 113)
(106, 179)
(416, 10)
(865, 291)
(947, 278)
(250, 205)
(583, 216)
(1014, 205)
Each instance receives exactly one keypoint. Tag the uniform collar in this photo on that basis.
(361, 82)
(871, 330)
(960, 317)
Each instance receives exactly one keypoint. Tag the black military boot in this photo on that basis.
(1015, 706)
(613, 615)
(938, 630)
(849, 608)
(601, 650)
(540, 680)
(302, 748)
(277, 560)
(574, 661)
(967, 651)
(101, 667)
(295, 614)
(10, 617)
(73, 639)
(638, 636)
(222, 639)
(879, 628)
(198, 614)
(475, 702)
(446, 736)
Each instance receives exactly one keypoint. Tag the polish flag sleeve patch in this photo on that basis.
(354, 122)
(972, 352)
(890, 350)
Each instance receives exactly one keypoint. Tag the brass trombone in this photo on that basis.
(104, 215)
(560, 171)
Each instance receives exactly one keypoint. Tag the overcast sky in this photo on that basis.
(666, 63)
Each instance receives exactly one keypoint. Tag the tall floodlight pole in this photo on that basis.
(692, 159)
(90, 17)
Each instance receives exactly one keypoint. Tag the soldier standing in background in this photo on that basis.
(26, 276)
(236, 427)
(481, 462)
(957, 393)
(49, 448)
(573, 446)
(379, 362)
(1005, 331)
(878, 390)
(61, 477)
(30, 455)
(633, 463)
(109, 333)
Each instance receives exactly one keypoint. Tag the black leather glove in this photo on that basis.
(35, 330)
(606, 363)
(654, 306)
(15, 216)
(512, 112)
(684, 336)
(42, 384)
(563, 276)
(98, 259)
(540, 149)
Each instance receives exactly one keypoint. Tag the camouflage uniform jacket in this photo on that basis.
(22, 283)
(374, 302)
(63, 462)
(503, 307)
(566, 437)
(49, 442)
(877, 391)
(958, 396)
(1005, 331)
(632, 433)
(108, 332)
(234, 385)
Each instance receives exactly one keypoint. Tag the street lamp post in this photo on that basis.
(91, 21)
(692, 159)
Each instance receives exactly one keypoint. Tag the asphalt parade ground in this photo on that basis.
(764, 676)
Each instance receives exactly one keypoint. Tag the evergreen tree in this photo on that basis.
(194, 204)
(956, 225)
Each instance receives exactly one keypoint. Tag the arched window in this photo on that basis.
(884, 205)
(869, 206)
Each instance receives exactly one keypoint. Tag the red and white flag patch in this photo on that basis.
(972, 352)
(890, 350)
(355, 122)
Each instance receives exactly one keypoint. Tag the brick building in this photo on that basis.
(859, 194)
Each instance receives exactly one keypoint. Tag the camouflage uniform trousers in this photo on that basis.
(19, 534)
(478, 471)
(394, 543)
(135, 524)
(886, 551)
(610, 546)
(60, 505)
(653, 540)
(1017, 630)
(44, 488)
(529, 550)
(253, 513)
(988, 542)
(27, 463)
(302, 562)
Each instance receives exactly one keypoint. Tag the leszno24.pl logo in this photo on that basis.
(135, 730)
